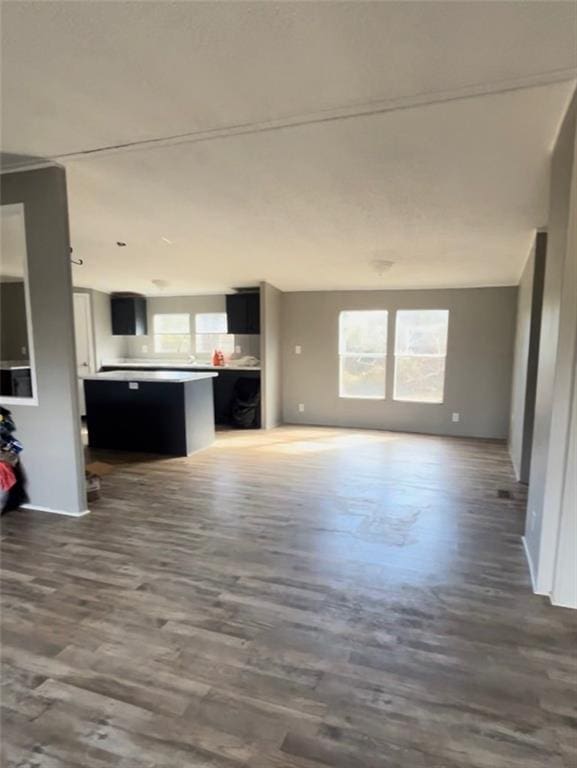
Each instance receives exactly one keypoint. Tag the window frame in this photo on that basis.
(342, 355)
(443, 357)
(215, 334)
(156, 334)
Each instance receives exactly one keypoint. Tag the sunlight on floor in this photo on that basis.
(301, 440)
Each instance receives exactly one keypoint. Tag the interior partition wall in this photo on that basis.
(49, 426)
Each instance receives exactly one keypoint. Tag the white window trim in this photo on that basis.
(442, 357)
(414, 399)
(227, 349)
(379, 355)
(343, 355)
(205, 333)
(156, 334)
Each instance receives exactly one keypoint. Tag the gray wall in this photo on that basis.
(49, 431)
(250, 345)
(271, 355)
(13, 326)
(526, 359)
(555, 363)
(478, 372)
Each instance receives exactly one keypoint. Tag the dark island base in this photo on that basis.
(223, 388)
(168, 418)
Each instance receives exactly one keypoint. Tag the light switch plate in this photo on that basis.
(301, 407)
(456, 417)
(298, 349)
(132, 385)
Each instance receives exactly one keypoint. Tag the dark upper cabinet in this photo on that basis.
(128, 315)
(243, 312)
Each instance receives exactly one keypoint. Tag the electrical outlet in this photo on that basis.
(301, 407)
(132, 385)
(456, 417)
(23, 351)
(298, 349)
(145, 347)
(238, 350)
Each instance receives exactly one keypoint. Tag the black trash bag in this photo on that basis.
(246, 403)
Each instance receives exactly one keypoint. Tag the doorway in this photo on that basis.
(84, 343)
(533, 356)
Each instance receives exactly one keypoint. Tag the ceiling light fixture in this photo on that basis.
(166, 240)
(381, 266)
(120, 244)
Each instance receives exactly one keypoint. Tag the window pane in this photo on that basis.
(208, 342)
(362, 376)
(422, 332)
(172, 342)
(211, 322)
(363, 331)
(419, 379)
(173, 323)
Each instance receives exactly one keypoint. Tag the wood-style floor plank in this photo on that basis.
(298, 598)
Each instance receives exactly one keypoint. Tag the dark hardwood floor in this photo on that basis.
(297, 599)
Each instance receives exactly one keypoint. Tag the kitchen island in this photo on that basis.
(224, 386)
(163, 412)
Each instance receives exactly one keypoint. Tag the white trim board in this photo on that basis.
(38, 508)
(560, 604)
(531, 568)
(513, 463)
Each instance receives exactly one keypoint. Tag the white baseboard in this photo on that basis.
(530, 564)
(555, 603)
(559, 604)
(514, 463)
(38, 508)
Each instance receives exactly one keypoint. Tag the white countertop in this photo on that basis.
(176, 377)
(182, 365)
(14, 365)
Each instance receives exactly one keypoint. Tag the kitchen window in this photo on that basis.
(420, 355)
(363, 354)
(171, 333)
(211, 332)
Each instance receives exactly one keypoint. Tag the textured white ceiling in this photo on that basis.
(450, 190)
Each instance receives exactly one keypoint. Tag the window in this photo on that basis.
(363, 354)
(420, 352)
(172, 333)
(211, 333)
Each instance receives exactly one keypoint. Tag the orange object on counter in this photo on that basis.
(217, 358)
